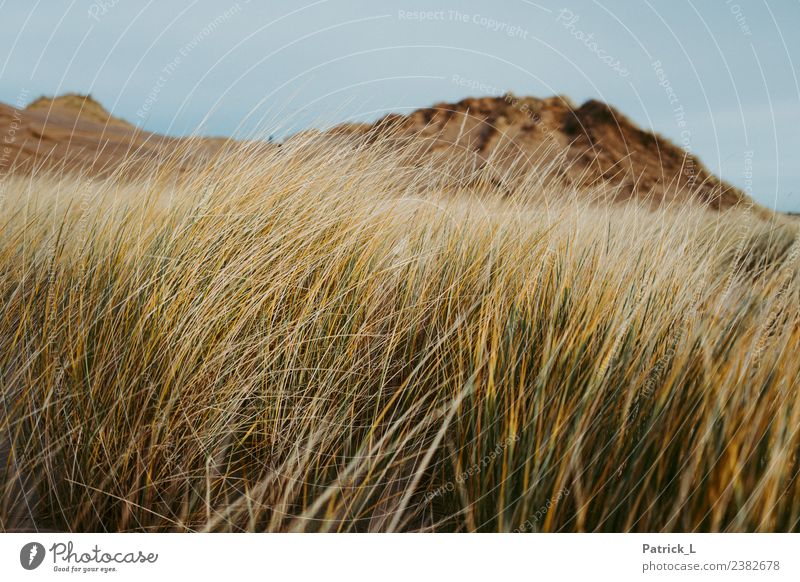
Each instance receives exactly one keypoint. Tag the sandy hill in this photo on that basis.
(587, 145)
(84, 107)
(508, 138)
(76, 133)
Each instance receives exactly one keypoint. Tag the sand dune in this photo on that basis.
(503, 138)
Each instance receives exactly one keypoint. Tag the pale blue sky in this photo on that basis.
(727, 84)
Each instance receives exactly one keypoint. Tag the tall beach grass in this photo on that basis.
(318, 338)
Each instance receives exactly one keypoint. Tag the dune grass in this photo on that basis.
(319, 339)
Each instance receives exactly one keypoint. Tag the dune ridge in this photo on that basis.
(500, 139)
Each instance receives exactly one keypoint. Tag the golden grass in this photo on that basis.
(318, 339)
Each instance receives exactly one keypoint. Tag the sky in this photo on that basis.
(717, 77)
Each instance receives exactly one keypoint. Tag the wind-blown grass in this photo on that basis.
(317, 339)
